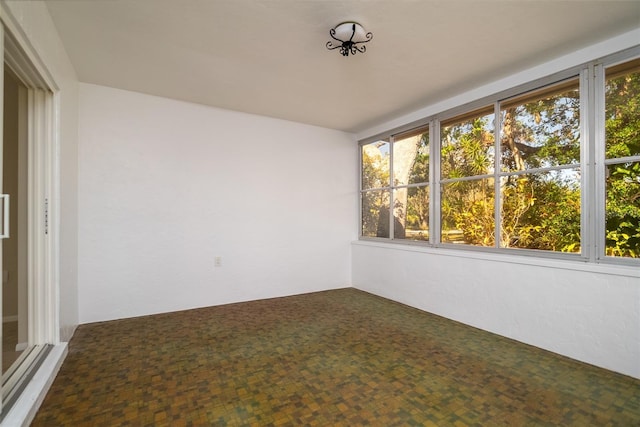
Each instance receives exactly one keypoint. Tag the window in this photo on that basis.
(467, 158)
(411, 185)
(540, 173)
(622, 160)
(396, 173)
(535, 190)
(520, 171)
(376, 194)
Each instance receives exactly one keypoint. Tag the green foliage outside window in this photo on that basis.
(467, 207)
(622, 127)
(375, 174)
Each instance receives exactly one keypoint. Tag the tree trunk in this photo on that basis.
(509, 139)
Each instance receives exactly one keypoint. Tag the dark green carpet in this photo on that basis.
(340, 357)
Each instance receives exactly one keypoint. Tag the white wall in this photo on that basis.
(35, 24)
(587, 312)
(167, 186)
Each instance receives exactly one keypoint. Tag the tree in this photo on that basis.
(417, 198)
(375, 174)
(467, 206)
(537, 210)
(622, 127)
(542, 210)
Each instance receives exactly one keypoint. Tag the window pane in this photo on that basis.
(468, 146)
(468, 212)
(541, 129)
(411, 212)
(623, 210)
(411, 158)
(622, 115)
(375, 165)
(541, 211)
(375, 213)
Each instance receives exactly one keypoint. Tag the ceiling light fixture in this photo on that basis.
(349, 35)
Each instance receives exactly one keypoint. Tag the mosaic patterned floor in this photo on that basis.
(336, 358)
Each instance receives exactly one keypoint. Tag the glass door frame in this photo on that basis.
(43, 196)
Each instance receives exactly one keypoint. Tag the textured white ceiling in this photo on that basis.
(268, 57)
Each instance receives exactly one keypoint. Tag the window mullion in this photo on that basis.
(392, 202)
(597, 150)
(434, 183)
(497, 200)
(618, 160)
(587, 161)
(361, 191)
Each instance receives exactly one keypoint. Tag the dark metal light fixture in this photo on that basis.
(348, 36)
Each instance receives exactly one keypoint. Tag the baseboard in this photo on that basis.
(21, 346)
(24, 410)
(66, 332)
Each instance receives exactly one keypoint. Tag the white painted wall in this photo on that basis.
(166, 186)
(36, 25)
(587, 312)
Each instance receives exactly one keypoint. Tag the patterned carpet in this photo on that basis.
(335, 358)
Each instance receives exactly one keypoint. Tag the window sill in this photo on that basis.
(577, 264)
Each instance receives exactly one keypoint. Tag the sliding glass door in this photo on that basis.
(28, 301)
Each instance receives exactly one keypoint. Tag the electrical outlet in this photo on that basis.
(218, 261)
